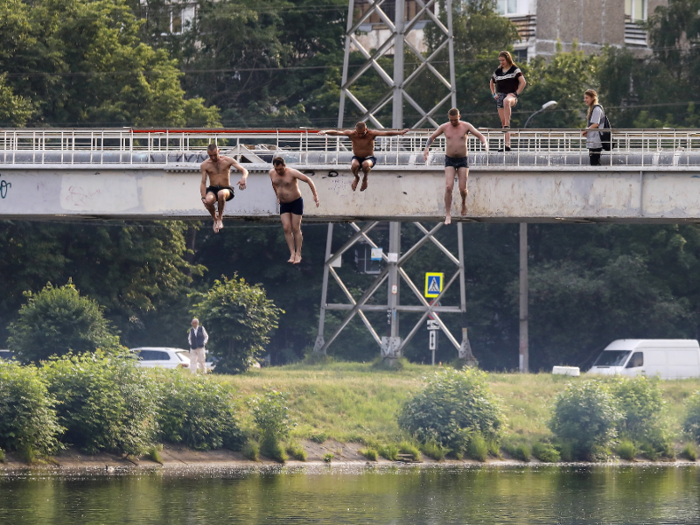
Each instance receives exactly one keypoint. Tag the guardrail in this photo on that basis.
(632, 147)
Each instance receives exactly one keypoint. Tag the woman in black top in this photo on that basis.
(507, 83)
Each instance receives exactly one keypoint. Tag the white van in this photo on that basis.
(667, 358)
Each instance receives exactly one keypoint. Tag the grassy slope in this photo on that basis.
(352, 401)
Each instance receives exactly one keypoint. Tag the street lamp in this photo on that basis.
(547, 105)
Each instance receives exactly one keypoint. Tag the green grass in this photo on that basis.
(358, 402)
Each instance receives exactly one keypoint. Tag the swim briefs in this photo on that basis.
(216, 189)
(456, 162)
(295, 207)
(362, 159)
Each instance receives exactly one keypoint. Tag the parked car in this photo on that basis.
(7, 355)
(162, 357)
(666, 358)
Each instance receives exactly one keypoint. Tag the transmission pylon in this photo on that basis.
(401, 29)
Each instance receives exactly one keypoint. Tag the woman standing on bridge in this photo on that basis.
(594, 120)
(507, 83)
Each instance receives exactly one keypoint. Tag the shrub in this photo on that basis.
(319, 437)
(690, 452)
(105, 402)
(240, 317)
(197, 412)
(691, 424)
(28, 419)
(451, 407)
(434, 450)
(251, 451)
(408, 448)
(626, 450)
(328, 457)
(2, 456)
(586, 415)
(477, 447)
(57, 321)
(369, 453)
(154, 454)
(271, 416)
(494, 448)
(642, 405)
(545, 452)
(566, 451)
(296, 451)
(521, 452)
(390, 452)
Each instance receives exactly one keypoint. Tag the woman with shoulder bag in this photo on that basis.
(595, 119)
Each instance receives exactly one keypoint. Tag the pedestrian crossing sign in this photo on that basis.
(433, 284)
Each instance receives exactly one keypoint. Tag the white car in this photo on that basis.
(162, 357)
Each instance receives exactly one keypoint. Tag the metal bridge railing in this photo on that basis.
(632, 147)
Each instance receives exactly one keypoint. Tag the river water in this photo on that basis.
(343, 495)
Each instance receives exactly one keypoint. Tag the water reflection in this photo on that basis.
(567, 495)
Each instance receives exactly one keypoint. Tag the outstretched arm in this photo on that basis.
(243, 171)
(432, 138)
(391, 133)
(307, 180)
(334, 132)
(471, 129)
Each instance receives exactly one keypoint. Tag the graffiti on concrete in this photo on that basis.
(4, 186)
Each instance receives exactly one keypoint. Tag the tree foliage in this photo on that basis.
(239, 318)
(57, 321)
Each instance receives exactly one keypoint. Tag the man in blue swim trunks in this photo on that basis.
(456, 160)
(285, 182)
(362, 149)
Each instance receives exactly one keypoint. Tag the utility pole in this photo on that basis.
(524, 342)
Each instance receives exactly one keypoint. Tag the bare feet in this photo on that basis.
(448, 220)
(221, 223)
(216, 226)
(355, 182)
(297, 258)
(292, 258)
(464, 209)
(364, 184)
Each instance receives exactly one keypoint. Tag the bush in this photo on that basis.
(434, 450)
(154, 454)
(410, 449)
(586, 416)
(566, 451)
(545, 452)
(28, 419)
(390, 452)
(271, 416)
(690, 452)
(451, 407)
(2, 456)
(197, 412)
(519, 451)
(296, 451)
(240, 317)
(319, 437)
(494, 448)
(251, 451)
(369, 453)
(642, 405)
(328, 457)
(626, 450)
(105, 402)
(691, 424)
(57, 321)
(477, 447)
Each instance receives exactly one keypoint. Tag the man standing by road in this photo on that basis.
(362, 149)
(218, 169)
(198, 338)
(286, 186)
(456, 160)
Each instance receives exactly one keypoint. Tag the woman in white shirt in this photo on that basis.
(594, 119)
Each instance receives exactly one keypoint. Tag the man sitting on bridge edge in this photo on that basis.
(362, 149)
(218, 168)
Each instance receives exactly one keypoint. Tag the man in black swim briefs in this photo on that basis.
(456, 161)
(217, 168)
(285, 182)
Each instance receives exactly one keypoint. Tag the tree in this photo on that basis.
(57, 321)
(239, 318)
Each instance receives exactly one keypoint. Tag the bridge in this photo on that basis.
(652, 176)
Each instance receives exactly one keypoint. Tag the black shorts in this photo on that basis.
(362, 159)
(501, 97)
(456, 162)
(216, 189)
(295, 207)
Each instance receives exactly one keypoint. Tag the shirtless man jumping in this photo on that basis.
(217, 168)
(456, 160)
(286, 186)
(362, 149)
